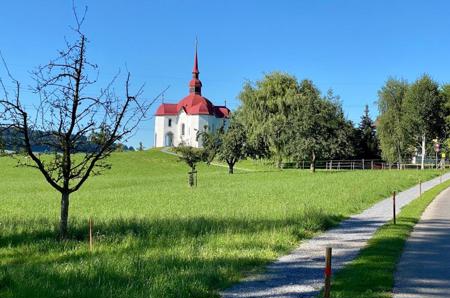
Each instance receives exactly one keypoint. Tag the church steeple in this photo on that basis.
(195, 85)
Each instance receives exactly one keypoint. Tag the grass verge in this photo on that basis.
(371, 274)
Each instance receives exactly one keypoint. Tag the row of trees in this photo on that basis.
(413, 118)
(286, 120)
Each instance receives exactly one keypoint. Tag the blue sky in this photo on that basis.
(349, 46)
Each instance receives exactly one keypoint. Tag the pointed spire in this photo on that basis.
(195, 69)
(195, 85)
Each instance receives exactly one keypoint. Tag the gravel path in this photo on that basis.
(424, 268)
(300, 274)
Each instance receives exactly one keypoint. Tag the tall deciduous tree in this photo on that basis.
(266, 106)
(68, 112)
(423, 108)
(391, 124)
(319, 128)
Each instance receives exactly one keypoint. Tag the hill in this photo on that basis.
(156, 237)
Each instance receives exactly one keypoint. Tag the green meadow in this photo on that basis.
(156, 237)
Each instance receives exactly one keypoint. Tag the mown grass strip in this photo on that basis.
(371, 274)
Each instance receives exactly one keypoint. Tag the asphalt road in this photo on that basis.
(424, 268)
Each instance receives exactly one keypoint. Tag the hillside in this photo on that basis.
(156, 237)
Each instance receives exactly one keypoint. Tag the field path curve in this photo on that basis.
(300, 273)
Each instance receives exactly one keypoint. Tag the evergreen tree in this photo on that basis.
(367, 142)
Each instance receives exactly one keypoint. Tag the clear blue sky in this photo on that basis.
(350, 46)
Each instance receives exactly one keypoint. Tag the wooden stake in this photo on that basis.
(420, 187)
(91, 237)
(327, 288)
(393, 208)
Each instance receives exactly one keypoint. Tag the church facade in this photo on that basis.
(182, 122)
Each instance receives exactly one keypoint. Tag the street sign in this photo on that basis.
(437, 147)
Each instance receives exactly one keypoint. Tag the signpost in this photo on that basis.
(437, 148)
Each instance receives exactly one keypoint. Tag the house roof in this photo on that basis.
(193, 104)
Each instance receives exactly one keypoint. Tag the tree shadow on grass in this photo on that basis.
(164, 258)
(45, 230)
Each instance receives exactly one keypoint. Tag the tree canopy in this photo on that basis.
(288, 120)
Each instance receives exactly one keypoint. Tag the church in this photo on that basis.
(182, 122)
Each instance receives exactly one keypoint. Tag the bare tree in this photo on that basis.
(67, 114)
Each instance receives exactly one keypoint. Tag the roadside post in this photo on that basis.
(420, 187)
(327, 288)
(393, 208)
(91, 237)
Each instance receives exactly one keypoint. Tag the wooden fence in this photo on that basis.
(361, 164)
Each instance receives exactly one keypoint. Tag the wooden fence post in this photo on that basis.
(91, 236)
(327, 288)
(363, 164)
(420, 187)
(371, 164)
(393, 208)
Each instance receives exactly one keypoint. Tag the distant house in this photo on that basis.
(181, 123)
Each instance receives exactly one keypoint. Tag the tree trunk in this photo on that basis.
(313, 163)
(422, 164)
(279, 161)
(64, 215)
(230, 168)
(191, 178)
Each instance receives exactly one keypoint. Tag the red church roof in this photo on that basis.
(194, 103)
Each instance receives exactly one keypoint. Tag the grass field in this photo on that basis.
(155, 237)
(371, 274)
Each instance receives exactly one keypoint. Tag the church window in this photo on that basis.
(182, 129)
(170, 122)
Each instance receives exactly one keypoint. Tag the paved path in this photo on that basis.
(300, 274)
(424, 268)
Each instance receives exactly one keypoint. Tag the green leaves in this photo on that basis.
(409, 114)
(290, 120)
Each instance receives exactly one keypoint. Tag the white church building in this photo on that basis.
(181, 123)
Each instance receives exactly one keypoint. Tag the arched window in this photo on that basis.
(170, 122)
(182, 129)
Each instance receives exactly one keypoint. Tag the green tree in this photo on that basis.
(424, 116)
(266, 106)
(141, 146)
(319, 128)
(391, 123)
(211, 143)
(233, 145)
(366, 138)
(191, 156)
